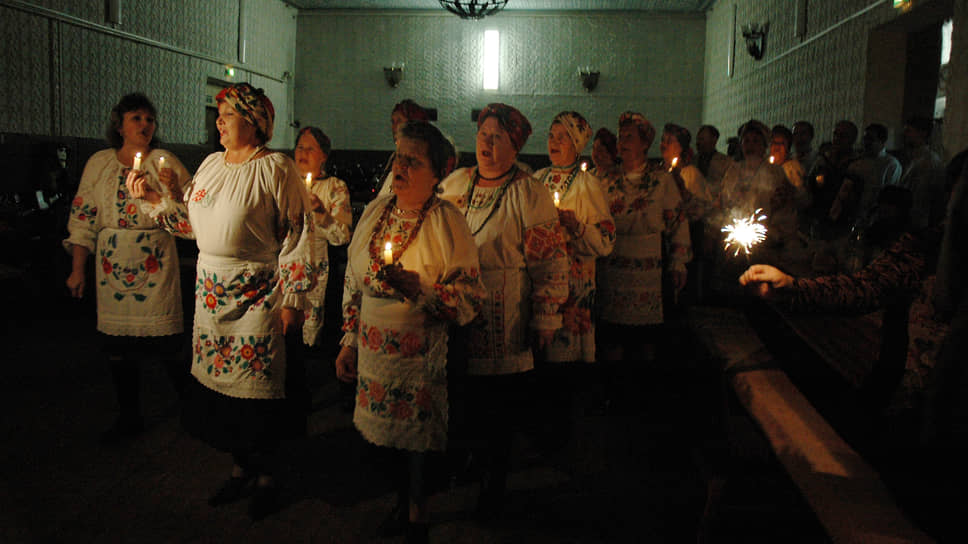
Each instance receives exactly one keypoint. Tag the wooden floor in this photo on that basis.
(629, 476)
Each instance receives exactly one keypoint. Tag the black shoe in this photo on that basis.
(265, 501)
(395, 523)
(417, 533)
(490, 502)
(234, 489)
(122, 430)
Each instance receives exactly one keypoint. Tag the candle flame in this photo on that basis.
(745, 233)
(309, 178)
(584, 166)
(557, 200)
(388, 247)
(137, 155)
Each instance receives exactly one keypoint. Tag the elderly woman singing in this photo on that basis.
(524, 264)
(248, 210)
(412, 270)
(645, 204)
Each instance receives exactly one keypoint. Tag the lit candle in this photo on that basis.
(388, 254)
(309, 179)
(161, 163)
(584, 166)
(137, 161)
(772, 159)
(557, 199)
(675, 161)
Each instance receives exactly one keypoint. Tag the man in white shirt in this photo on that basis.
(923, 174)
(876, 168)
(710, 162)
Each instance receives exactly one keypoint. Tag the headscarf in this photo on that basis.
(645, 127)
(681, 134)
(510, 119)
(577, 127)
(252, 104)
(756, 126)
(411, 110)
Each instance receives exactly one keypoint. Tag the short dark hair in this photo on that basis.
(608, 139)
(710, 128)
(878, 130)
(781, 130)
(440, 149)
(128, 103)
(805, 124)
(922, 124)
(321, 138)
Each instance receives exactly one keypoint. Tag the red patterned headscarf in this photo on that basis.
(645, 127)
(252, 104)
(578, 129)
(411, 110)
(510, 119)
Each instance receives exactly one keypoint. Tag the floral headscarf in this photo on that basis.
(411, 110)
(252, 104)
(511, 120)
(578, 129)
(639, 120)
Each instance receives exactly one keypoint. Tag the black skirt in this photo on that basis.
(236, 425)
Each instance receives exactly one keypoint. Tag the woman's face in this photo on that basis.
(309, 156)
(397, 120)
(631, 147)
(137, 128)
(778, 149)
(233, 130)
(753, 144)
(561, 150)
(495, 152)
(670, 148)
(413, 173)
(600, 156)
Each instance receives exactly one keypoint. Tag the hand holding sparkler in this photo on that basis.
(745, 233)
(765, 279)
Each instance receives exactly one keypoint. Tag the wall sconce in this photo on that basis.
(755, 36)
(393, 74)
(589, 78)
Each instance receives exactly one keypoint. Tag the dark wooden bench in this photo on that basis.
(846, 494)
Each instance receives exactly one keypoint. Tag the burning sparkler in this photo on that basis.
(745, 233)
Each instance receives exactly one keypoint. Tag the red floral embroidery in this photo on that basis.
(410, 344)
(377, 392)
(247, 352)
(210, 301)
(544, 242)
(199, 194)
(374, 338)
(151, 264)
(106, 265)
(401, 410)
(361, 399)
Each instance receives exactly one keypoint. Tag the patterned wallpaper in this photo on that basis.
(67, 77)
(648, 63)
(822, 80)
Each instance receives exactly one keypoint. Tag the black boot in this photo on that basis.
(126, 375)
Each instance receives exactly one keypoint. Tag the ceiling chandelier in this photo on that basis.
(473, 9)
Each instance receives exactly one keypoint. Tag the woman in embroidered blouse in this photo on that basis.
(645, 205)
(524, 265)
(138, 284)
(248, 210)
(397, 305)
(330, 202)
(604, 153)
(589, 233)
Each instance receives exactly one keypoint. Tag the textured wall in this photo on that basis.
(821, 79)
(649, 63)
(61, 78)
